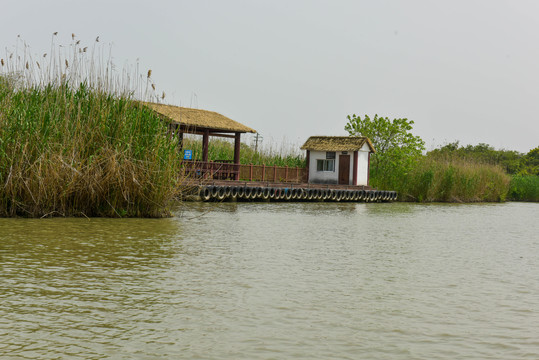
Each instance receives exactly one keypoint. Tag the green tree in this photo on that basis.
(397, 149)
(529, 164)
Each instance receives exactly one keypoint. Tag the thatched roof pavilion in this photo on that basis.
(202, 122)
(197, 120)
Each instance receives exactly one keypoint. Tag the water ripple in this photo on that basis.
(265, 281)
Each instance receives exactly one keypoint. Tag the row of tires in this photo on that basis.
(220, 193)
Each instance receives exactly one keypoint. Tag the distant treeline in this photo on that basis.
(513, 162)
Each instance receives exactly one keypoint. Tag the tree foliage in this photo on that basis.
(396, 147)
(529, 164)
(513, 162)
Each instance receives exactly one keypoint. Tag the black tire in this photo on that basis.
(221, 193)
(205, 193)
(288, 194)
(248, 193)
(241, 192)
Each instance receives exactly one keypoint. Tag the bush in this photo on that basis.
(524, 188)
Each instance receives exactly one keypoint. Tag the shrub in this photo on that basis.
(524, 188)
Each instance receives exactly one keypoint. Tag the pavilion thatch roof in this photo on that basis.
(199, 119)
(336, 143)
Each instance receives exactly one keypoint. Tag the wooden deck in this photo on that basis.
(215, 181)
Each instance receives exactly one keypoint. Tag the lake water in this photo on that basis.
(275, 281)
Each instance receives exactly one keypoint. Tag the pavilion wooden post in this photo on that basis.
(237, 156)
(205, 140)
(180, 139)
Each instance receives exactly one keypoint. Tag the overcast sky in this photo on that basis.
(462, 70)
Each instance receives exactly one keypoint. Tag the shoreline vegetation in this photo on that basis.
(75, 140)
(462, 176)
(479, 173)
(451, 173)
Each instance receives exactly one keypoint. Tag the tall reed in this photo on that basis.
(454, 181)
(75, 140)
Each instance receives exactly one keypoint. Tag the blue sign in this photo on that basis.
(188, 155)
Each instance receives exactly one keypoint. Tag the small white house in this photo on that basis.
(338, 159)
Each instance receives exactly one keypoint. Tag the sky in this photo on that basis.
(463, 70)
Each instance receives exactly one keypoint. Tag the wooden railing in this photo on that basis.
(250, 172)
(211, 170)
(273, 173)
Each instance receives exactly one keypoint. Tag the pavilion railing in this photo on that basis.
(211, 170)
(247, 172)
(252, 172)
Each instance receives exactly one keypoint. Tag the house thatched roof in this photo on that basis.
(336, 143)
(199, 119)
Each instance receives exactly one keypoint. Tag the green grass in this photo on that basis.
(87, 148)
(524, 188)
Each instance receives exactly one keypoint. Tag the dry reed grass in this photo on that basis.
(75, 140)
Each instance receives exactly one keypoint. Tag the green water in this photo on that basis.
(275, 281)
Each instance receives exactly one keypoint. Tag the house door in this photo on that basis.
(344, 169)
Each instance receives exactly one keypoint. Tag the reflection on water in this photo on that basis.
(275, 280)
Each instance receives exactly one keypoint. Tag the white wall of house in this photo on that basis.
(332, 177)
(322, 177)
(363, 165)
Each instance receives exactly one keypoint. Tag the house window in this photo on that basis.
(328, 164)
(325, 165)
